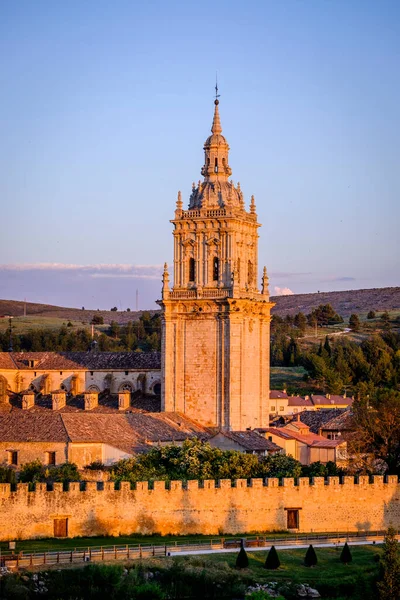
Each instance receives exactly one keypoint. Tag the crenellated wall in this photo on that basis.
(211, 508)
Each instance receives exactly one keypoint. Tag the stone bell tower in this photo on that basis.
(216, 322)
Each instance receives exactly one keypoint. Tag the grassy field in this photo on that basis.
(287, 377)
(328, 571)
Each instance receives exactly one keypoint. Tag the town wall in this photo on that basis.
(211, 508)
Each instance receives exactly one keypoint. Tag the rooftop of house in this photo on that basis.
(318, 419)
(276, 394)
(73, 361)
(250, 440)
(310, 439)
(331, 399)
(128, 432)
(299, 401)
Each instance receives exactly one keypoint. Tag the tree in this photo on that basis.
(389, 586)
(345, 555)
(371, 314)
(354, 322)
(310, 559)
(242, 560)
(97, 320)
(272, 561)
(114, 309)
(281, 465)
(377, 427)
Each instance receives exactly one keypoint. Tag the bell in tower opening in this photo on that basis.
(215, 320)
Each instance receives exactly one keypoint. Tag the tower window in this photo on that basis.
(216, 165)
(250, 273)
(215, 268)
(192, 269)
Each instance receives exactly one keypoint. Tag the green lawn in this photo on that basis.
(330, 577)
(289, 377)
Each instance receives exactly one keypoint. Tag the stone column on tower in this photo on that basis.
(216, 322)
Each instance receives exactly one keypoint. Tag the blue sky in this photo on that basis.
(104, 110)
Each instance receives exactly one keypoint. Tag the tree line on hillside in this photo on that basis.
(143, 335)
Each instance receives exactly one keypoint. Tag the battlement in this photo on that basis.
(207, 507)
(6, 489)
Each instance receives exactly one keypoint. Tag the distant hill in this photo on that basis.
(345, 303)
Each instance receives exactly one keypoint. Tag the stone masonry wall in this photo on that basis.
(209, 509)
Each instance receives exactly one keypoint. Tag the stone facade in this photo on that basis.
(209, 509)
(216, 322)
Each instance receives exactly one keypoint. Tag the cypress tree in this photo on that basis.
(345, 555)
(242, 561)
(272, 561)
(310, 559)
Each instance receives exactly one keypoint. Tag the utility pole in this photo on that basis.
(137, 300)
(10, 349)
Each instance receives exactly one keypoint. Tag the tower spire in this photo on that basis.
(216, 128)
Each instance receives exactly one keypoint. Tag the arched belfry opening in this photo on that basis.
(215, 320)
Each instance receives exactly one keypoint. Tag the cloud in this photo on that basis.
(283, 291)
(128, 271)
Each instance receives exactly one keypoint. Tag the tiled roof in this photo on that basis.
(6, 361)
(311, 439)
(274, 394)
(342, 422)
(299, 401)
(166, 427)
(128, 431)
(22, 427)
(91, 361)
(114, 430)
(316, 419)
(333, 399)
(251, 440)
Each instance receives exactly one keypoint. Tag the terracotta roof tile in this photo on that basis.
(251, 440)
(91, 361)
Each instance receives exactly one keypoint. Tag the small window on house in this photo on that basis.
(126, 372)
(192, 269)
(215, 268)
(295, 410)
(61, 372)
(34, 374)
(51, 458)
(91, 372)
(281, 408)
(273, 407)
(270, 438)
(13, 457)
(292, 518)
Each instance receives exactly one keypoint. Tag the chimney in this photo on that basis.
(58, 399)
(124, 399)
(28, 399)
(328, 396)
(91, 399)
(298, 417)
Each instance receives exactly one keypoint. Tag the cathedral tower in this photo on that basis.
(216, 322)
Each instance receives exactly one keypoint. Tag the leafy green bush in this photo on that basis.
(7, 475)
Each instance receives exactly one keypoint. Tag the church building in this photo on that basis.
(216, 321)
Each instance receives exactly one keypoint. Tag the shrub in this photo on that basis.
(371, 314)
(97, 320)
(272, 561)
(345, 555)
(310, 559)
(7, 475)
(242, 560)
(96, 465)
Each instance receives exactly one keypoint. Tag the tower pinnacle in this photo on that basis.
(216, 128)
